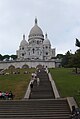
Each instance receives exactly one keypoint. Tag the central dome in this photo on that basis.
(36, 32)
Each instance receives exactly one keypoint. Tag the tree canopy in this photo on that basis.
(72, 60)
(7, 57)
(77, 43)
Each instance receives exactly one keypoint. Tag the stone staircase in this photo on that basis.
(35, 109)
(44, 90)
(41, 104)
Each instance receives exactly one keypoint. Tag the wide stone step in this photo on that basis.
(29, 106)
(37, 101)
(35, 107)
(41, 90)
(37, 116)
(42, 114)
(32, 109)
(32, 112)
(53, 102)
(40, 97)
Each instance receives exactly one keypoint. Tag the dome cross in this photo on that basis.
(23, 36)
(46, 35)
(35, 21)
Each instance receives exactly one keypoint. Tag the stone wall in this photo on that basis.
(19, 64)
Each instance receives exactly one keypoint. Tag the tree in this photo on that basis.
(77, 43)
(60, 56)
(75, 60)
(65, 59)
(14, 57)
(6, 57)
(1, 57)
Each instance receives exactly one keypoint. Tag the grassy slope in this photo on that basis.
(17, 83)
(68, 84)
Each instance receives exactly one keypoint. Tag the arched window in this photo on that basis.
(37, 42)
(33, 50)
(22, 48)
(38, 52)
(46, 53)
(22, 54)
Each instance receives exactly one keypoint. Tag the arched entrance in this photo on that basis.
(39, 66)
(25, 66)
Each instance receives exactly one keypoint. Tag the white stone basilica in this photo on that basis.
(35, 52)
(37, 48)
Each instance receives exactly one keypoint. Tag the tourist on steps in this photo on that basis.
(38, 81)
(75, 114)
(10, 96)
(31, 86)
(0, 95)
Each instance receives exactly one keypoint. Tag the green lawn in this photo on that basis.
(17, 83)
(67, 82)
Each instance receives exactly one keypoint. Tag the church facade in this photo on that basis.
(37, 48)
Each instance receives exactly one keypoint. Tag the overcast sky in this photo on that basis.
(59, 18)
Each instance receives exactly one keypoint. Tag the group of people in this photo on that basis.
(75, 114)
(34, 78)
(6, 95)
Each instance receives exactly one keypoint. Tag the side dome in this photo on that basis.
(36, 32)
(46, 41)
(23, 42)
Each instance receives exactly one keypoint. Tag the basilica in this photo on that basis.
(37, 47)
(34, 52)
